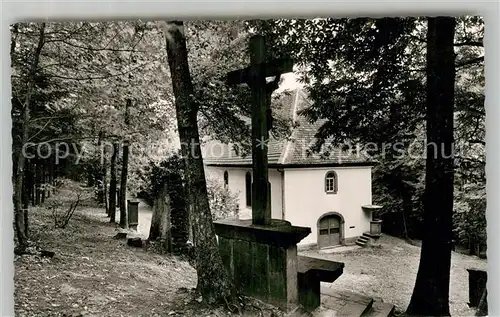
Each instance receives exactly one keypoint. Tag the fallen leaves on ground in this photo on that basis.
(93, 274)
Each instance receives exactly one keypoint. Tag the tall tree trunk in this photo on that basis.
(112, 184)
(38, 196)
(100, 174)
(51, 177)
(33, 184)
(22, 237)
(124, 172)
(55, 171)
(47, 178)
(42, 182)
(105, 185)
(123, 187)
(407, 209)
(214, 282)
(431, 293)
(26, 198)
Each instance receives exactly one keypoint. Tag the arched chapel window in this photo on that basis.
(331, 183)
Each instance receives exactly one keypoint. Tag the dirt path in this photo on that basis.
(93, 274)
(389, 273)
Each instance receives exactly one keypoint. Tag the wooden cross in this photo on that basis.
(255, 77)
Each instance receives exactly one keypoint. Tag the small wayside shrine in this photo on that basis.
(261, 253)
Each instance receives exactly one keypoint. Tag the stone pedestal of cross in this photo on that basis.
(255, 77)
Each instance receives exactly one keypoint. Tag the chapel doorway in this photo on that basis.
(329, 231)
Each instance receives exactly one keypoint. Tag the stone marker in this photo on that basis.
(135, 242)
(118, 200)
(133, 214)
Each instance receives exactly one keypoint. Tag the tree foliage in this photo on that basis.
(366, 77)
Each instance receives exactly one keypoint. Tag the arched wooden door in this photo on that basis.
(329, 231)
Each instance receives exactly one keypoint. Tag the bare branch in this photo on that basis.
(90, 48)
(418, 39)
(470, 61)
(108, 76)
(111, 40)
(477, 142)
(470, 43)
(60, 117)
(67, 36)
(40, 131)
(472, 110)
(470, 159)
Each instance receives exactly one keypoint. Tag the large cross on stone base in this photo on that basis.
(261, 254)
(255, 77)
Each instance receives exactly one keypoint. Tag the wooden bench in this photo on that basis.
(310, 273)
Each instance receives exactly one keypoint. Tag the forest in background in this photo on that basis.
(85, 84)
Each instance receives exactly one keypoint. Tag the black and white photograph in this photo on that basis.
(285, 167)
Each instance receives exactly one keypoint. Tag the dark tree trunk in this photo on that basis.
(123, 187)
(112, 184)
(51, 177)
(42, 182)
(28, 184)
(101, 173)
(33, 185)
(26, 198)
(38, 181)
(431, 293)
(472, 245)
(105, 185)
(47, 178)
(407, 197)
(22, 237)
(214, 282)
(55, 171)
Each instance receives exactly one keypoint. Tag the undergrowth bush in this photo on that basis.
(68, 196)
(223, 204)
(469, 218)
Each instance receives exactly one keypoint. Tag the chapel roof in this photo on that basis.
(291, 152)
